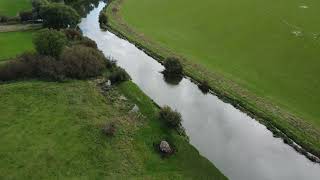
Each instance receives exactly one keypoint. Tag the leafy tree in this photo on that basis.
(37, 5)
(57, 16)
(50, 42)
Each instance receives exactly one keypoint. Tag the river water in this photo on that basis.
(239, 146)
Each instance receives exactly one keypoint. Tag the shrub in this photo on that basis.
(109, 129)
(173, 66)
(50, 42)
(58, 15)
(23, 66)
(118, 75)
(83, 62)
(50, 68)
(204, 86)
(73, 34)
(103, 19)
(88, 43)
(26, 15)
(172, 118)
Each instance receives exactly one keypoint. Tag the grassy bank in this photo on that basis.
(12, 7)
(13, 43)
(275, 80)
(53, 130)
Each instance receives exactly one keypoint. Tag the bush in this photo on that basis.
(26, 15)
(51, 69)
(50, 42)
(173, 66)
(172, 118)
(88, 43)
(118, 75)
(37, 5)
(103, 19)
(83, 62)
(204, 86)
(58, 16)
(73, 34)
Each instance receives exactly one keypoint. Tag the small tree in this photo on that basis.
(172, 118)
(57, 16)
(173, 66)
(50, 42)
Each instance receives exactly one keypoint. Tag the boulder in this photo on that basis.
(165, 147)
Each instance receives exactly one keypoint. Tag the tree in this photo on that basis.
(37, 5)
(57, 16)
(50, 42)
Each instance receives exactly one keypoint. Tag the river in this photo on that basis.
(239, 146)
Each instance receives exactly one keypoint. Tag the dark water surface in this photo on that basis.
(238, 145)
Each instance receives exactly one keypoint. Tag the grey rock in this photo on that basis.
(165, 147)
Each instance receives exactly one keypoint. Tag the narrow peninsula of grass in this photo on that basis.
(14, 43)
(53, 130)
(13, 7)
(264, 59)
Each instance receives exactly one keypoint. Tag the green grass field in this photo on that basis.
(13, 7)
(53, 130)
(272, 48)
(14, 43)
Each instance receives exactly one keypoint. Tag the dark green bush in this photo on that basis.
(50, 42)
(103, 19)
(83, 62)
(118, 75)
(58, 16)
(172, 118)
(173, 66)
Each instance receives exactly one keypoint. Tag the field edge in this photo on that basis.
(288, 126)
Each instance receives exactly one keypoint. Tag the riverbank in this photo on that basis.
(55, 130)
(271, 115)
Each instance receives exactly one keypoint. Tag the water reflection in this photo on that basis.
(238, 145)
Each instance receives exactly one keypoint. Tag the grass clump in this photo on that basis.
(118, 75)
(171, 117)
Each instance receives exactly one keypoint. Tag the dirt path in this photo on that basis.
(19, 27)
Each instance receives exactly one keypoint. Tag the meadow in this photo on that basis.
(271, 48)
(14, 43)
(12, 7)
(54, 130)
